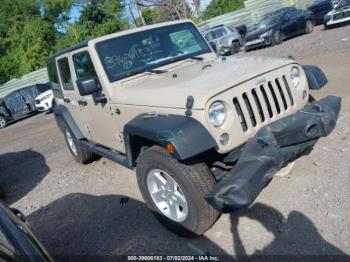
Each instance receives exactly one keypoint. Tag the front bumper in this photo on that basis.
(259, 42)
(43, 105)
(273, 147)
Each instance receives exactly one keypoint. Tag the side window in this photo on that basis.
(66, 78)
(220, 32)
(83, 65)
(53, 76)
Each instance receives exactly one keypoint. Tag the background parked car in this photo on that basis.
(319, 9)
(17, 241)
(43, 102)
(224, 39)
(19, 103)
(277, 26)
(339, 15)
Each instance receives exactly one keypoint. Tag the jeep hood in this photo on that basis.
(202, 80)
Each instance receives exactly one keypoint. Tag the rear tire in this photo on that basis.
(309, 27)
(3, 122)
(80, 154)
(193, 214)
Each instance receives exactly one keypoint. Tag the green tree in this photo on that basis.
(26, 38)
(32, 30)
(100, 17)
(220, 7)
(150, 15)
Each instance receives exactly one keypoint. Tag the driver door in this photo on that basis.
(101, 120)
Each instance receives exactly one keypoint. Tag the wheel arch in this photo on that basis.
(64, 120)
(186, 135)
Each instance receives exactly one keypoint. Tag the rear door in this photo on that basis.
(101, 120)
(301, 16)
(289, 24)
(71, 97)
(16, 105)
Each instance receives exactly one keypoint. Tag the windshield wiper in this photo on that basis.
(199, 58)
(155, 71)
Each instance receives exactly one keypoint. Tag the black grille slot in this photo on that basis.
(288, 90)
(250, 109)
(281, 93)
(240, 114)
(266, 100)
(258, 104)
(274, 97)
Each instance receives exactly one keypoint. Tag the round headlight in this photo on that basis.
(217, 114)
(295, 76)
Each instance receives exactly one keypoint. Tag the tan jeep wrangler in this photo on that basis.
(205, 133)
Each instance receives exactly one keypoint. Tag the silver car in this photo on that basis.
(224, 39)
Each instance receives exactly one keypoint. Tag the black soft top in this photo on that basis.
(67, 50)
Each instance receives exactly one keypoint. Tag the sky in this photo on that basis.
(75, 11)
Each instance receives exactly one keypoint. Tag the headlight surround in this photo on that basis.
(266, 34)
(46, 97)
(295, 75)
(217, 114)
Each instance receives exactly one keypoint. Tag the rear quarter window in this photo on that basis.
(64, 71)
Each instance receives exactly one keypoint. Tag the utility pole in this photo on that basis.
(184, 7)
(140, 11)
(132, 15)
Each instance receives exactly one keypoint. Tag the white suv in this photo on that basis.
(43, 101)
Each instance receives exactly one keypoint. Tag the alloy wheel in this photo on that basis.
(167, 195)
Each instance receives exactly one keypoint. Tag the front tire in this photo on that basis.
(80, 154)
(175, 192)
(3, 122)
(276, 38)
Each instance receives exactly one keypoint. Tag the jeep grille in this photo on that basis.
(261, 104)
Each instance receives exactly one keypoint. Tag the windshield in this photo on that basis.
(134, 53)
(343, 3)
(268, 21)
(43, 88)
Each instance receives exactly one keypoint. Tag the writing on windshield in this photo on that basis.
(133, 53)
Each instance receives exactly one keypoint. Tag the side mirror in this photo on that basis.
(88, 86)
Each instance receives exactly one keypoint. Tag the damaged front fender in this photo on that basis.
(273, 147)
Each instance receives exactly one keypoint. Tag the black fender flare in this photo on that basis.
(315, 77)
(188, 136)
(64, 119)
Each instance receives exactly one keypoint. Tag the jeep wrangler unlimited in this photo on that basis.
(205, 134)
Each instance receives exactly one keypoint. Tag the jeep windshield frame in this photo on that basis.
(143, 51)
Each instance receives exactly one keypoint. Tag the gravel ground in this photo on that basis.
(97, 209)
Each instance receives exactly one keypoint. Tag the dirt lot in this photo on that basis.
(97, 209)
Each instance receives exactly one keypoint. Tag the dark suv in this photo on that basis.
(19, 103)
(277, 26)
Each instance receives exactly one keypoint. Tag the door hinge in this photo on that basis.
(110, 110)
(120, 138)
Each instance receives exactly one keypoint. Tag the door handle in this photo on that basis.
(82, 102)
(66, 100)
